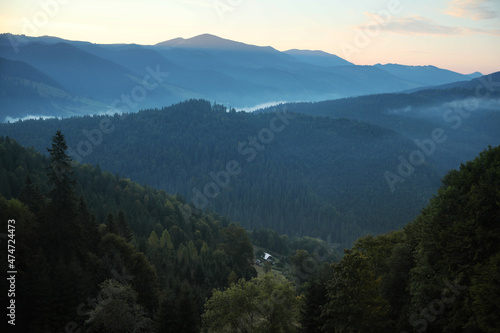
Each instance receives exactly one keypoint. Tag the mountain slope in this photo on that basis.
(303, 175)
(116, 229)
(78, 71)
(25, 91)
(426, 75)
(488, 84)
(467, 112)
(235, 53)
(22, 70)
(318, 58)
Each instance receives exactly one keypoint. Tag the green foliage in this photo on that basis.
(354, 302)
(485, 293)
(239, 249)
(458, 233)
(438, 274)
(315, 300)
(264, 304)
(125, 263)
(190, 259)
(117, 311)
(271, 240)
(179, 311)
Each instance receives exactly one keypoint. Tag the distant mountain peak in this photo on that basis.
(475, 74)
(207, 41)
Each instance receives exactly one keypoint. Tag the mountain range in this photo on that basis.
(50, 76)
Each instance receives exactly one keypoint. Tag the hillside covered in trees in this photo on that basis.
(296, 174)
(440, 273)
(100, 253)
(89, 242)
(466, 111)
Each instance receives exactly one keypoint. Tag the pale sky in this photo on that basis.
(460, 35)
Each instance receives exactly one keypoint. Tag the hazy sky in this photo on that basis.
(461, 35)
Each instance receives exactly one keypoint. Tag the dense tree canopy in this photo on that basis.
(117, 311)
(121, 249)
(167, 254)
(264, 304)
(438, 274)
(296, 174)
(67, 250)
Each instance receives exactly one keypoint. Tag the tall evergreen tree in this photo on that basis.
(64, 235)
(61, 177)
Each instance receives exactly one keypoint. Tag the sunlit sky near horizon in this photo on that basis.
(460, 35)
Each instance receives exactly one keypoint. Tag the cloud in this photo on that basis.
(473, 9)
(262, 106)
(28, 117)
(418, 25)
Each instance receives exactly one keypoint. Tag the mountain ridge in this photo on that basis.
(318, 57)
(205, 66)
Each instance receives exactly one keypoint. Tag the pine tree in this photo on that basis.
(61, 177)
(64, 235)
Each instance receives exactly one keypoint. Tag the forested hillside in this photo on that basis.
(88, 242)
(440, 273)
(295, 174)
(466, 111)
(25, 90)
